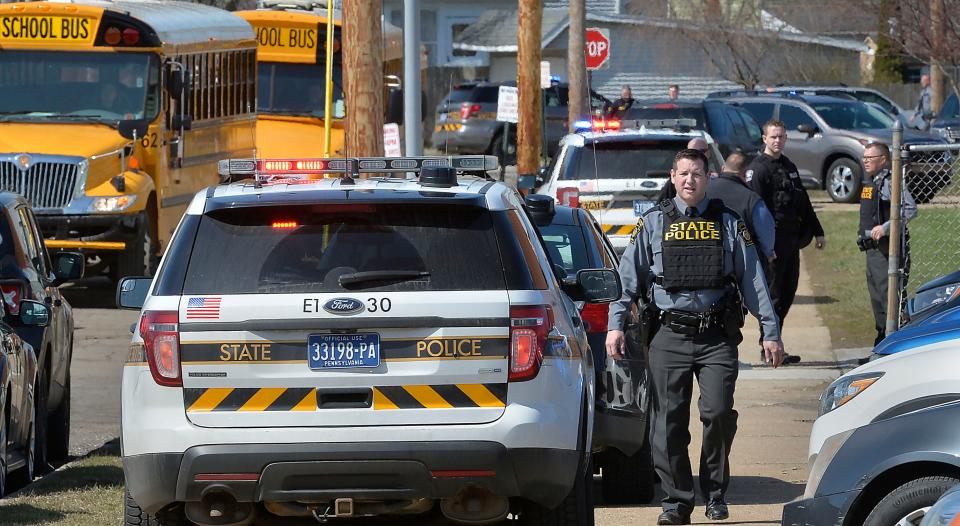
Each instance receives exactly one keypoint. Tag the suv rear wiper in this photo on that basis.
(381, 275)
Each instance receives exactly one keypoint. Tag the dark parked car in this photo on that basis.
(575, 241)
(28, 273)
(19, 382)
(947, 123)
(732, 127)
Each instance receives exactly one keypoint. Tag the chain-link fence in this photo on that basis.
(932, 175)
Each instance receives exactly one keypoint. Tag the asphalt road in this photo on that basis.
(776, 408)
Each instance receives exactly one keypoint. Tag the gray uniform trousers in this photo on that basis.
(675, 359)
(877, 263)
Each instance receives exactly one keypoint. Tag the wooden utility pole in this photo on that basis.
(937, 77)
(577, 63)
(363, 78)
(528, 84)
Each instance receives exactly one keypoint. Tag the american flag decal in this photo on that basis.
(207, 308)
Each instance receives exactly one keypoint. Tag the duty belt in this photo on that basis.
(685, 322)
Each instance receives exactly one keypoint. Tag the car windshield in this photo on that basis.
(297, 89)
(48, 85)
(566, 246)
(634, 159)
(339, 247)
(852, 115)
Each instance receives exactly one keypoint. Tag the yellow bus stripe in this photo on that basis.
(309, 402)
(262, 400)
(210, 399)
(480, 395)
(380, 401)
(427, 396)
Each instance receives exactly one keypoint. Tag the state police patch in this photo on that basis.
(636, 230)
(744, 233)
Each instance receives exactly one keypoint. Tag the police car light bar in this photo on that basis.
(291, 168)
(660, 123)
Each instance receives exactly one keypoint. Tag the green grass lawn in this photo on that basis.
(839, 276)
(89, 492)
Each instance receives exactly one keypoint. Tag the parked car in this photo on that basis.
(934, 296)
(863, 94)
(382, 346)
(466, 120)
(19, 405)
(885, 446)
(618, 173)
(621, 451)
(947, 123)
(826, 138)
(28, 273)
(733, 128)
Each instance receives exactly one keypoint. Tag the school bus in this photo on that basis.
(291, 70)
(114, 114)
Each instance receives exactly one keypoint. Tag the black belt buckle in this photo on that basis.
(690, 323)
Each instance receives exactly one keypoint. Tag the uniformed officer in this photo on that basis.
(873, 236)
(688, 259)
(924, 112)
(776, 179)
(731, 188)
(619, 107)
(699, 144)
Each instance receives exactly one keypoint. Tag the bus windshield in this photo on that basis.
(55, 85)
(297, 89)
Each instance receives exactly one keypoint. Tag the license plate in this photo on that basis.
(642, 205)
(343, 351)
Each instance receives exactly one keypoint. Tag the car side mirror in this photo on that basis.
(395, 106)
(68, 266)
(34, 313)
(182, 122)
(132, 292)
(595, 286)
(809, 129)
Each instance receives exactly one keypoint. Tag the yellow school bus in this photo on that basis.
(291, 60)
(114, 114)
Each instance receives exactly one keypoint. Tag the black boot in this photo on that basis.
(673, 517)
(717, 510)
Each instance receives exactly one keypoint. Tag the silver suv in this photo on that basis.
(341, 348)
(826, 140)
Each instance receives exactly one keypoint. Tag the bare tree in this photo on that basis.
(918, 36)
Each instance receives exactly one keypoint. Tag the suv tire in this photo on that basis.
(58, 436)
(907, 503)
(3, 449)
(843, 180)
(40, 423)
(133, 515)
(627, 479)
(139, 259)
(575, 510)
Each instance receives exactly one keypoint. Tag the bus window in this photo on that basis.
(297, 89)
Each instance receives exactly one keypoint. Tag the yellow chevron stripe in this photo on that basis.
(625, 230)
(480, 395)
(427, 397)
(380, 401)
(309, 402)
(262, 400)
(210, 399)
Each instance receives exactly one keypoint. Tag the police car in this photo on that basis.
(352, 347)
(616, 169)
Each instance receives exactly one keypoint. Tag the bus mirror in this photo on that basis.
(182, 122)
(177, 82)
(395, 106)
(132, 129)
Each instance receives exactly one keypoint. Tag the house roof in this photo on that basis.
(609, 7)
(839, 19)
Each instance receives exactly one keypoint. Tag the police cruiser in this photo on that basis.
(616, 169)
(344, 347)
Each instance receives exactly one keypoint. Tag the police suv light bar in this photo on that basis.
(234, 169)
(660, 123)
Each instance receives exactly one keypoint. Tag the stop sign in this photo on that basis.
(598, 47)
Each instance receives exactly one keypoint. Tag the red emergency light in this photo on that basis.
(291, 166)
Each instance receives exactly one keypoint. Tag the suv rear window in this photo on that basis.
(312, 248)
(485, 94)
(635, 159)
(459, 95)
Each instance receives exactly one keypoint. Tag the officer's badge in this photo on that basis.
(866, 192)
(744, 233)
(636, 230)
(749, 175)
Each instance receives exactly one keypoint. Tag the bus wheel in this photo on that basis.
(139, 258)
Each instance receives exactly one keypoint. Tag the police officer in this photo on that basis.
(873, 236)
(776, 179)
(699, 144)
(731, 188)
(688, 258)
(619, 107)
(924, 112)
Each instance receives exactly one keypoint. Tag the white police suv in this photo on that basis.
(357, 347)
(615, 169)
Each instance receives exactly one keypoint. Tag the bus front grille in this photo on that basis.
(43, 184)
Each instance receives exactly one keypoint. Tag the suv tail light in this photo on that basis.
(468, 110)
(529, 326)
(569, 196)
(161, 339)
(595, 314)
(13, 291)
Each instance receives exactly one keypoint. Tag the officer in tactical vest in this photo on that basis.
(619, 107)
(873, 236)
(731, 188)
(776, 179)
(691, 260)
